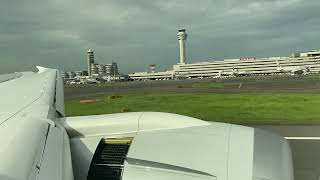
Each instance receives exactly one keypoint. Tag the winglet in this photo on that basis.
(41, 69)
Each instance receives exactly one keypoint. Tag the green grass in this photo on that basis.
(280, 108)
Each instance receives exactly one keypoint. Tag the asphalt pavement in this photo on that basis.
(270, 84)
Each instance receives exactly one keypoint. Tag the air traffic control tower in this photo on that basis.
(90, 60)
(182, 37)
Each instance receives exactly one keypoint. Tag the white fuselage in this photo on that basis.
(293, 69)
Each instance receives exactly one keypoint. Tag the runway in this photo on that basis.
(270, 84)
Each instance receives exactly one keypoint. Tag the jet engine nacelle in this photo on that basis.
(171, 146)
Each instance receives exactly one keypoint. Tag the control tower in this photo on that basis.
(90, 60)
(182, 37)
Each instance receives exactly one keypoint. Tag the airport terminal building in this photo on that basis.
(298, 63)
(246, 67)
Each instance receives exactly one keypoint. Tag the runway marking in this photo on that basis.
(302, 138)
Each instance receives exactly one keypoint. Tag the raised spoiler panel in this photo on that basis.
(59, 95)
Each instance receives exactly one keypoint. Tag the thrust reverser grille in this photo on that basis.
(108, 159)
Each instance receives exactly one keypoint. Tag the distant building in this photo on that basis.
(310, 61)
(64, 75)
(78, 73)
(94, 69)
(90, 60)
(112, 69)
(101, 69)
(71, 74)
(182, 37)
(152, 76)
(152, 68)
(312, 53)
(104, 69)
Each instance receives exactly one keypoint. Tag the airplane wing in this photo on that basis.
(22, 90)
(31, 143)
(39, 142)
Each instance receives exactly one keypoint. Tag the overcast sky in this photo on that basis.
(136, 33)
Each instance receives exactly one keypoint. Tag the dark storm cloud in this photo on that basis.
(137, 33)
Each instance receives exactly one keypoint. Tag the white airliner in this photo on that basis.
(293, 70)
(37, 141)
(233, 73)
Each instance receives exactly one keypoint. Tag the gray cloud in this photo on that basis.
(138, 33)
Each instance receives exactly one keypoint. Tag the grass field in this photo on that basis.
(269, 108)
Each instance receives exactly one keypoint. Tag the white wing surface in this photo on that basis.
(29, 107)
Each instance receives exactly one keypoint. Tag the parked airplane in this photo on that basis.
(293, 70)
(226, 73)
(39, 143)
(238, 73)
